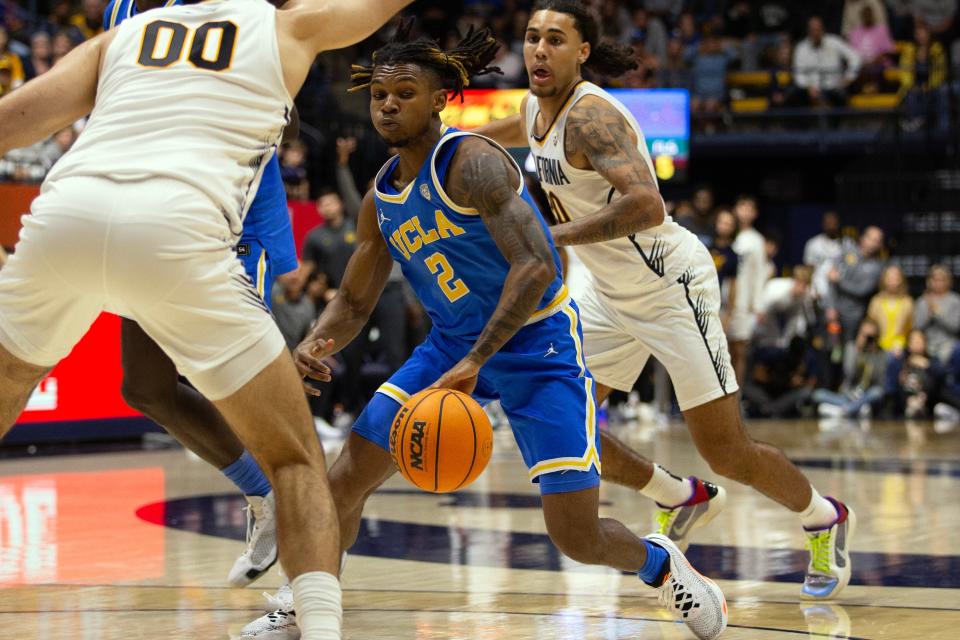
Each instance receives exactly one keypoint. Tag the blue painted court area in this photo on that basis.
(432, 543)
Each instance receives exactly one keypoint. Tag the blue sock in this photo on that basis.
(246, 474)
(657, 565)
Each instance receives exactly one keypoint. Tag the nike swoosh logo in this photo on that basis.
(686, 518)
(840, 545)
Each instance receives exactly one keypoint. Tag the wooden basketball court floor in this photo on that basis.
(138, 544)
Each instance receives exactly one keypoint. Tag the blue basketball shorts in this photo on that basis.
(543, 386)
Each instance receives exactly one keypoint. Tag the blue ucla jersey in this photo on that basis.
(266, 248)
(446, 252)
(119, 10)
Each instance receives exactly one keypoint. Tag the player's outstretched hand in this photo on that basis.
(462, 377)
(309, 357)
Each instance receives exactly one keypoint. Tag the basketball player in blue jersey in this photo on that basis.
(152, 385)
(453, 210)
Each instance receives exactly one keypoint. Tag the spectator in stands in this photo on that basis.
(854, 282)
(651, 32)
(914, 378)
(824, 252)
(726, 261)
(675, 72)
(293, 170)
(823, 67)
(697, 216)
(689, 36)
(938, 15)
(667, 10)
(709, 78)
(781, 74)
(31, 164)
(6, 80)
(89, 22)
(61, 18)
(751, 280)
(948, 409)
(63, 44)
(785, 310)
(41, 55)
(923, 67)
(937, 313)
(771, 25)
(781, 380)
(329, 246)
(614, 21)
(397, 307)
(773, 240)
(10, 62)
(519, 30)
(892, 310)
(853, 14)
(737, 19)
(872, 41)
(864, 378)
(645, 76)
(294, 310)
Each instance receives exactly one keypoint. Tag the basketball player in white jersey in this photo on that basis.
(654, 289)
(139, 218)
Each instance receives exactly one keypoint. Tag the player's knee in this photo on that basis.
(731, 463)
(578, 541)
(350, 485)
(290, 469)
(146, 398)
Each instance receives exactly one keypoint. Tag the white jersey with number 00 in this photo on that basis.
(622, 267)
(193, 93)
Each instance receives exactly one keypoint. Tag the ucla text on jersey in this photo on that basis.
(446, 252)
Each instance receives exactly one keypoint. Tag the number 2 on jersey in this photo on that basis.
(438, 263)
(211, 45)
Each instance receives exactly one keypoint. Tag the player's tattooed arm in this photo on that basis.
(483, 178)
(598, 135)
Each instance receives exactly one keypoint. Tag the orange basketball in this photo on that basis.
(441, 440)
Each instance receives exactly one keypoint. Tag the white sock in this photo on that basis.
(819, 514)
(317, 599)
(666, 489)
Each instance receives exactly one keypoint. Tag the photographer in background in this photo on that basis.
(914, 378)
(864, 375)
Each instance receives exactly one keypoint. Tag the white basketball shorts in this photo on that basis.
(678, 322)
(156, 251)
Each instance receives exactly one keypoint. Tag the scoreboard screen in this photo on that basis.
(663, 115)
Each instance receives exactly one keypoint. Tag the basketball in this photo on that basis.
(441, 440)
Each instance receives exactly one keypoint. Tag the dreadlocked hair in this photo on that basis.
(455, 67)
(607, 57)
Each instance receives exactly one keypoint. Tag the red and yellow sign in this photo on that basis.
(481, 106)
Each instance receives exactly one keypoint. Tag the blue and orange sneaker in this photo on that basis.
(677, 523)
(829, 569)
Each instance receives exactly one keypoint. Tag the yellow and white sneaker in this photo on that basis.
(829, 569)
(678, 523)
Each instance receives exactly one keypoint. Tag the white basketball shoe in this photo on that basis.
(261, 551)
(691, 597)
